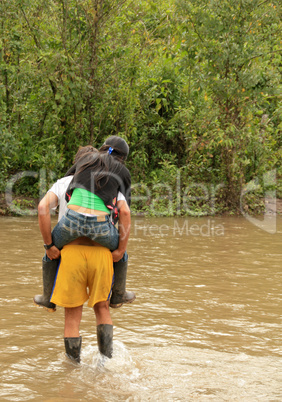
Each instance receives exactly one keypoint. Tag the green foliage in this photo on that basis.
(193, 86)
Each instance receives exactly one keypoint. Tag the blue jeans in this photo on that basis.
(74, 225)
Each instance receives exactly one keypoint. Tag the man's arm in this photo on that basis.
(50, 200)
(124, 230)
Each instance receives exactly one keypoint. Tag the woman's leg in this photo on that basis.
(110, 240)
(120, 295)
(66, 230)
(104, 233)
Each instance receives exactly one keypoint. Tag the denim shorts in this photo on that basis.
(74, 225)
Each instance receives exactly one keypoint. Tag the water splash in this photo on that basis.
(121, 363)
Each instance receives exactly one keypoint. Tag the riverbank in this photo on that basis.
(19, 203)
(25, 205)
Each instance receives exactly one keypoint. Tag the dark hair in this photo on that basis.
(82, 151)
(117, 145)
(109, 159)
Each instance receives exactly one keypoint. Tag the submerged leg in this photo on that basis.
(104, 328)
(105, 339)
(73, 348)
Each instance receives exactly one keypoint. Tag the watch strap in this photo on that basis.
(47, 246)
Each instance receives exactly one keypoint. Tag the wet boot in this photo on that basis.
(119, 294)
(73, 348)
(105, 339)
(49, 271)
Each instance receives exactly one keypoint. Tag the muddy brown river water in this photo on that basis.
(206, 324)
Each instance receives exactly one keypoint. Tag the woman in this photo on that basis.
(92, 197)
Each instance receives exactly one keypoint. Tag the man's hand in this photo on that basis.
(117, 255)
(53, 253)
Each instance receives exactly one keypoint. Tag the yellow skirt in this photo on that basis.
(85, 273)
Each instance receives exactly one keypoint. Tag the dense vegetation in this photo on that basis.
(193, 86)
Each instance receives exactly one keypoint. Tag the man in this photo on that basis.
(56, 196)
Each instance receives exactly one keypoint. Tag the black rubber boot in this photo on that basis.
(73, 348)
(49, 271)
(119, 294)
(105, 339)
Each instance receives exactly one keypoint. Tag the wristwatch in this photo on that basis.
(47, 246)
